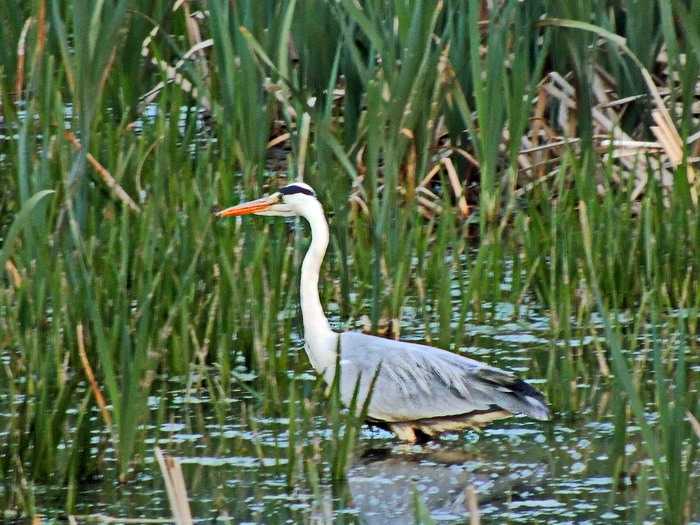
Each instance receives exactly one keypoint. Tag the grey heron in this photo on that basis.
(419, 391)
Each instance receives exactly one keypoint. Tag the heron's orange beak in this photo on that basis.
(247, 208)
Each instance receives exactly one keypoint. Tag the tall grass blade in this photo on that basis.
(20, 222)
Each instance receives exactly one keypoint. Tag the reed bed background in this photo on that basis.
(554, 143)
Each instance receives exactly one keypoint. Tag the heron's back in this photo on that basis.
(421, 382)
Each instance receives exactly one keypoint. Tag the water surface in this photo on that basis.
(522, 471)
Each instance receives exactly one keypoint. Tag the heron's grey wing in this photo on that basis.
(418, 381)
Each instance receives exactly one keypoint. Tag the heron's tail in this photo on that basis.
(515, 395)
(534, 403)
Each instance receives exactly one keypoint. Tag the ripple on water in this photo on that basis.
(235, 461)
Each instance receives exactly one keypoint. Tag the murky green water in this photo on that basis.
(523, 471)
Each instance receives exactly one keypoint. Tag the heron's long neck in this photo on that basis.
(320, 339)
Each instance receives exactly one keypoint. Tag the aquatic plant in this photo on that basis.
(539, 155)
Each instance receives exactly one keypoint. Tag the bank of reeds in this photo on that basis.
(450, 142)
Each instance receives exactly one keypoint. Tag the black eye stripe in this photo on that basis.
(292, 189)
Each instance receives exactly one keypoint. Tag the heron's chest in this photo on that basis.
(322, 359)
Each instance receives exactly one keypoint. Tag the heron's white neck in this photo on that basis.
(320, 340)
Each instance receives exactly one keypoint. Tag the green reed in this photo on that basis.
(672, 447)
(170, 292)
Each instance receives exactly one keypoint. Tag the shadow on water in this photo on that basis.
(383, 482)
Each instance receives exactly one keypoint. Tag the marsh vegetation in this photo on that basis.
(517, 181)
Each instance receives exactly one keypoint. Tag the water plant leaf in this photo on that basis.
(20, 221)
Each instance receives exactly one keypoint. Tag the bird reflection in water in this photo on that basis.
(382, 485)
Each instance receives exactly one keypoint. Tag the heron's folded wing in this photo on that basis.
(418, 381)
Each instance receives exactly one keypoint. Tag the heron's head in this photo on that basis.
(292, 199)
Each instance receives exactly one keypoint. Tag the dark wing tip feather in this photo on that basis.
(534, 398)
(523, 388)
(530, 400)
